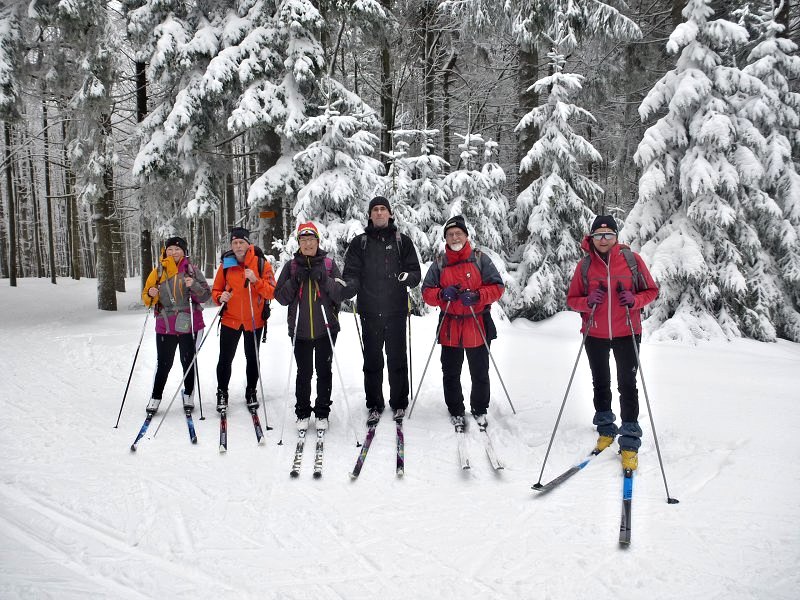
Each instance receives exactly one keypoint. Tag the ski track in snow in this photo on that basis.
(82, 517)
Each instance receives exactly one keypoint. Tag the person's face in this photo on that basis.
(239, 248)
(176, 253)
(380, 216)
(455, 238)
(308, 245)
(604, 239)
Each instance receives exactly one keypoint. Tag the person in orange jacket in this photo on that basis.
(462, 283)
(605, 293)
(244, 290)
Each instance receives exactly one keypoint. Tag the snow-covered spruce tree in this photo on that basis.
(553, 209)
(465, 185)
(300, 94)
(10, 58)
(493, 229)
(774, 210)
(343, 173)
(699, 196)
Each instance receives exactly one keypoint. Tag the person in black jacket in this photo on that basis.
(307, 284)
(379, 266)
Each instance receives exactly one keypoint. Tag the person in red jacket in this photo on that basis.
(237, 286)
(463, 281)
(605, 294)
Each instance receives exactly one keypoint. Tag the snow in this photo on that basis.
(82, 517)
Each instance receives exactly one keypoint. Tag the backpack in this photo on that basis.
(266, 311)
(639, 282)
(474, 258)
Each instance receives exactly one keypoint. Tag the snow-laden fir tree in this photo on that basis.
(465, 186)
(492, 229)
(696, 219)
(553, 209)
(774, 189)
(411, 216)
(343, 173)
(10, 58)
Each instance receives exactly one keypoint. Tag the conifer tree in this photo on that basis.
(700, 200)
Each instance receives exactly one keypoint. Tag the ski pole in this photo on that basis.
(566, 393)
(425, 370)
(194, 360)
(670, 499)
(358, 329)
(258, 355)
(336, 361)
(135, 356)
(410, 355)
(486, 343)
(196, 366)
(291, 359)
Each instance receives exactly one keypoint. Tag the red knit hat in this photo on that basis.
(307, 229)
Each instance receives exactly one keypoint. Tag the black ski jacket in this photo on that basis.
(372, 264)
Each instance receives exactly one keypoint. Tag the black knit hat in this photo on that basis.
(379, 201)
(179, 242)
(457, 221)
(604, 221)
(240, 233)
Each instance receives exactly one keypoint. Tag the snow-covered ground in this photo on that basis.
(83, 517)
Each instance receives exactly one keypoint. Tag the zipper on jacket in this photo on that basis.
(608, 287)
(310, 308)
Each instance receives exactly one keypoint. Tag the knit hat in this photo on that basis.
(457, 221)
(604, 221)
(179, 242)
(307, 229)
(379, 201)
(240, 233)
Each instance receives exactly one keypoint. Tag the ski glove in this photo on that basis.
(318, 273)
(470, 298)
(302, 273)
(627, 298)
(596, 297)
(449, 294)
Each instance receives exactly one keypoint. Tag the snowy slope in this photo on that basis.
(82, 517)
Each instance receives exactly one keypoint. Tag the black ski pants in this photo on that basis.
(166, 344)
(452, 362)
(388, 332)
(228, 343)
(598, 351)
(307, 353)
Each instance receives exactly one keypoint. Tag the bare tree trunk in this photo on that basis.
(73, 227)
(387, 92)
(145, 247)
(209, 255)
(528, 100)
(230, 203)
(429, 60)
(51, 242)
(106, 288)
(269, 151)
(12, 226)
(677, 8)
(35, 217)
(117, 233)
(446, 79)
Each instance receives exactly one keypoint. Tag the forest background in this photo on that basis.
(129, 121)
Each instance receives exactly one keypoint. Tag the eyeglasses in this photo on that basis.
(608, 235)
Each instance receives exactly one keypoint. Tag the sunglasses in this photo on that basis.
(604, 236)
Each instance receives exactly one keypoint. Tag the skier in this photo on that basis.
(460, 282)
(177, 289)
(245, 287)
(308, 283)
(380, 266)
(607, 285)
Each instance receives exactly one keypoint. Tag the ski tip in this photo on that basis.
(353, 476)
(317, 475)
(222, 449)
(194, 440)
(400, 474)
(262, 441)
(294, 474)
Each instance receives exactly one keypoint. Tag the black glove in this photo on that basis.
(302, 273)
(318, 273)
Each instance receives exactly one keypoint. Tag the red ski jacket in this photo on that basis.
(460, 328)
(610, 320)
